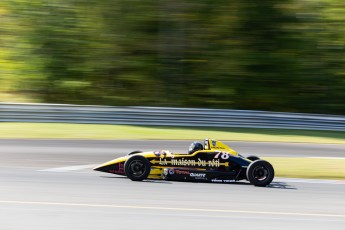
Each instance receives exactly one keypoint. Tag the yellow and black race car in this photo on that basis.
(212, 161)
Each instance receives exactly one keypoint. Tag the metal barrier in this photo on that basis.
(166, 116)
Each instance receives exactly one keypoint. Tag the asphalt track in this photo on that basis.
(49, 184)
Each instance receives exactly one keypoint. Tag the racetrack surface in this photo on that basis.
(49, 184)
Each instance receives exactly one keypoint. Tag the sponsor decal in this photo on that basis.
(163, 161)
(215, 180)
(171, 171)
(214, 143)
(198, 175)
(181, 172)
(192, 162)
(189, 162)
(216, 147)
(118, 169)
(165, 171)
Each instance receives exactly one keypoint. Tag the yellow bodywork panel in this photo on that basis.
(115, 161)
(218, 145)
(156, 173)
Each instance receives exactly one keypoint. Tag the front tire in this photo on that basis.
(260, 173)
(137, 168)
(134, 152)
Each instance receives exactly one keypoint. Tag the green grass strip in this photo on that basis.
(112, 132)
(316, 168)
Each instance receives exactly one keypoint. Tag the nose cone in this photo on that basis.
(111, 168)
(102, 168)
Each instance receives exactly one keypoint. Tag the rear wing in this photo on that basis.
(220, 146)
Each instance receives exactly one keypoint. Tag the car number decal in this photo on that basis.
(222, 155)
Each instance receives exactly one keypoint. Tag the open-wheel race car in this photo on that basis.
(212, 161)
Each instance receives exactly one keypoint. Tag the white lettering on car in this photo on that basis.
(198, 175)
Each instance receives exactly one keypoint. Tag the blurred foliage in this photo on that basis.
(283, 55)
(19, 130)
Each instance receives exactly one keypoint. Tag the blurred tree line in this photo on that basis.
(273, 55)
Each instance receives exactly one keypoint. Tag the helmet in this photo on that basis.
(195, 146)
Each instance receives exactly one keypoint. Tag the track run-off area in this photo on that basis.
(50, 184)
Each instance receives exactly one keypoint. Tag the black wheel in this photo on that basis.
(137, 168)
(134, 152)
(253, 158)
(260, 173)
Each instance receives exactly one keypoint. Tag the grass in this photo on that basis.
(315, 168)
(111, 132)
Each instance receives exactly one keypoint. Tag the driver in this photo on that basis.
(195, 146)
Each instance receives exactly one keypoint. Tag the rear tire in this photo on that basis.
(260, 173)
(137, 168)
(253, 158)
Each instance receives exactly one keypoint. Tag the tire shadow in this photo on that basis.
(273, 185)
(116, 177)
(281, 185)
(144, 181)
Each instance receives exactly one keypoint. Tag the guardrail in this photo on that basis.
(166, 116)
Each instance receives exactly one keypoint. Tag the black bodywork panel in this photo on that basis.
(182, 174)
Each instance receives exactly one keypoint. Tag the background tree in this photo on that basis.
(263, 55)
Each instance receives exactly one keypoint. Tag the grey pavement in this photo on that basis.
(34, 198)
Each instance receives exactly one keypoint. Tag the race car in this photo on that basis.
(211, 161)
